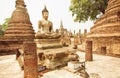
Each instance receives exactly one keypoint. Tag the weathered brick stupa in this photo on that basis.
(19, 29)
(105, 34)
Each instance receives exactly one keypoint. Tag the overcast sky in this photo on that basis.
(58, 10)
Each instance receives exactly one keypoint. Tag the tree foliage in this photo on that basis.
(83, 10)
(1, 31)
(4, 26)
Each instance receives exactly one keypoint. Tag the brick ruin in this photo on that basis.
(88, 50)
(30, 60)
(19, 38)
(105, 34)
(19, 29)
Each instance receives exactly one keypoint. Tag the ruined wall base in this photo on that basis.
(106, 45)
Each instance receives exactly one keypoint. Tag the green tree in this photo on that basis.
(83, 10)
(1, 31)
(5, 24)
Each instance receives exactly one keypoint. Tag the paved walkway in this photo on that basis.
(100, 67)
(9, 67)
(104, 66)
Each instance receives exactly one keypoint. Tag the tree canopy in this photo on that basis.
(84, 10)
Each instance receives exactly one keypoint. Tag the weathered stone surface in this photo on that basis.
(30, 60)
(9, 47)
(47, 43)
(53, 58)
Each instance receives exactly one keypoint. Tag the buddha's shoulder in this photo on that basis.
(50, 22)
(40, 20)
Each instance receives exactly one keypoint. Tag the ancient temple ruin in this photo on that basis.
(19, 29)
(65, 35)
(61, 30)
(50, 52)
(105, 34)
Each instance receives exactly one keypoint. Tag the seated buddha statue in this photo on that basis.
(45, 27)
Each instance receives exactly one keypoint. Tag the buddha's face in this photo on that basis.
(45, 15)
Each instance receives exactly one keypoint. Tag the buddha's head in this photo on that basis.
(45, 13)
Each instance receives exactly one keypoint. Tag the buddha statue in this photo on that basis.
(45, 27)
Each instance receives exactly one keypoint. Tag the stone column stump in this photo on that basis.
(88, 50)
(30, 60)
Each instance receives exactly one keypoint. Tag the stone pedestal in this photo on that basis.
(30, 60)
(55, 58)
(47, 44)
(88, 55)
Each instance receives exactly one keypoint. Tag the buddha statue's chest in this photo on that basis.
(46, 24)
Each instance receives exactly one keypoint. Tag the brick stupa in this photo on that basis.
(20, 27)
(105, 33)
(19, 30)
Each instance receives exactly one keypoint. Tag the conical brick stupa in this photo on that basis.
(20, 27)
(105, 34)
